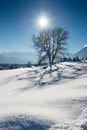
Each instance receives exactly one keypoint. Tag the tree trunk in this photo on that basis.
(50, 63)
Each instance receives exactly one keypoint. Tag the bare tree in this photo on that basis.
(50, 44)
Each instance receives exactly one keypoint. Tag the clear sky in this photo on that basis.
(18, 22)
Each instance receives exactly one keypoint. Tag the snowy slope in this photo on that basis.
(36, 99)
(82, 54)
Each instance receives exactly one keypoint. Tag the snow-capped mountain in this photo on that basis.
(82, 54)
(17, 57)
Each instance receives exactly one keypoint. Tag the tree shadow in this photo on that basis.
(22, 122)
(60, 74)
(34, 76)
(44, 77)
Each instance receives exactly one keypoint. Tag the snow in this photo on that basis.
(85, 45)
(39, 99)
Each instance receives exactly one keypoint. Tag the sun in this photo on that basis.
(43, 22)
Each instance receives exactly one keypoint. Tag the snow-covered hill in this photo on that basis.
(82, 54)
(37, 99)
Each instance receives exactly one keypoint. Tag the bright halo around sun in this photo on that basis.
(43, 22)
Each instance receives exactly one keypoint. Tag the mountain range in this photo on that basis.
(25, 57)
(17, 57)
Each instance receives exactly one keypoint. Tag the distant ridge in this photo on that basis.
(10, 60)
(17, 57)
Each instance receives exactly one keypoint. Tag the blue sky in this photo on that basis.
(18, 22)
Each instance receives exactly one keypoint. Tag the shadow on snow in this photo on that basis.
(23, 123)
(36, 77)
(42, 77)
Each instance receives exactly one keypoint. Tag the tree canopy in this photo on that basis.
(50, 44)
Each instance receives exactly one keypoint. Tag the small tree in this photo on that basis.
(76, 59)
(50, 44)
(29, 64)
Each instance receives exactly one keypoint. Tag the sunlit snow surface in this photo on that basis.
(39, 99)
